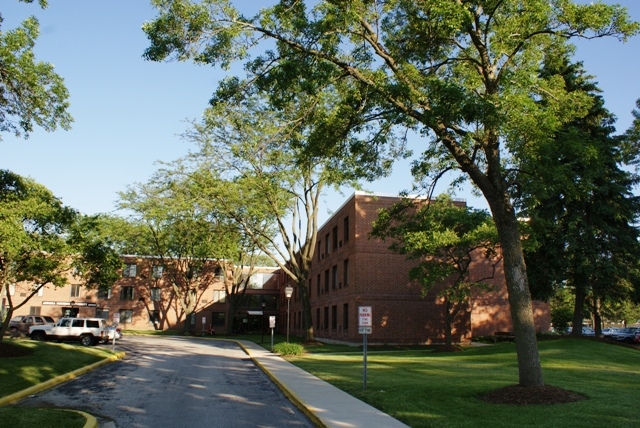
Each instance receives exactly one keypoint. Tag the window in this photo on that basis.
(93, 324)
(102, 313)
(318, 325)
(319, 249)
(326, 318)
(318, 285)
(129, 271)
(334, 277)
(41, 291)
(75, 290)
(104, 294)
(345, 272)
(34, 310)
(334, 237)
(345, 316)
(126, 315)
(126, 293)
(77, 323)
(326, 244)
(156, 271)
(334, 317)
(345, 229)
(326, 281)
(155, 294)
(217, 319)
(219, 296)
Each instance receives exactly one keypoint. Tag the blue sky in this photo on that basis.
(128, 112)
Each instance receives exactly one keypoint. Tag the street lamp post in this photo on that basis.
(264, 305)
(288, 291)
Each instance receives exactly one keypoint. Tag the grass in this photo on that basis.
(43, 361)
(420, 387)
(21, 417)
(426, 389)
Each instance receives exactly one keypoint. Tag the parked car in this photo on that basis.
(21, 323)
(636, 340)
(610, 332)
(627, 335)
(586, 331)
(88, 331)
(113, 331)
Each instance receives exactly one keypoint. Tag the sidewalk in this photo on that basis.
(322, 402)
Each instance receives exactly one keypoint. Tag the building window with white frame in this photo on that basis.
(75, 290)
(126, 293)
(155, 293)
(126, 315)
(219, 296)
(156, 271)
(129, 270)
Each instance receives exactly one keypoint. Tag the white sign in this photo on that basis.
(364, 330)
(116, 317)
(272, 321)
(365, 316)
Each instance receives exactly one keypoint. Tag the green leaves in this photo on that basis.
(31, 93)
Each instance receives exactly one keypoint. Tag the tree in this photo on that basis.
(270, 187)
(445, 239)
(582, 213)
(31, 93)
(194, 244)
(44, 243)
(464, 74)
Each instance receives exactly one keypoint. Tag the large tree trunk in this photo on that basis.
(578, 311)
(515, 271)
(307, 322)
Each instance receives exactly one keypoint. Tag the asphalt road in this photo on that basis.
(177, 382)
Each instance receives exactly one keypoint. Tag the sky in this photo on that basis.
(128, 112)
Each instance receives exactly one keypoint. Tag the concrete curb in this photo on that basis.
(17, 396)
(299, 403)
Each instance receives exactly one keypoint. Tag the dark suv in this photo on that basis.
(21, 323)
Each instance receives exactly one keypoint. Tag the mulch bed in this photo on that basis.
(547, 394)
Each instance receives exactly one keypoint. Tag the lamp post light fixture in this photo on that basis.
(288, 291)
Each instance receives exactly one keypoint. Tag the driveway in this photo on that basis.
(177, 382)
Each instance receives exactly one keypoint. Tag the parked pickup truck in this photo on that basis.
(87, 331)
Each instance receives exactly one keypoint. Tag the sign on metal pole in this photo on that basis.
(272, 325)
(365, 323)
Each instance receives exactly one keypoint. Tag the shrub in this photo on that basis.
(285, 348)
(560, 318)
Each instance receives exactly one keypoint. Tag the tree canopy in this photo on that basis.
(31, 92)
(44, 243)
(462, 74)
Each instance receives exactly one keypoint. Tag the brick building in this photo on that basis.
(144, 299)
(349, 270)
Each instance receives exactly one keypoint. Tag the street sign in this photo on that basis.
(364, 330)
(364, 316)
(116, 318)
(272, 321)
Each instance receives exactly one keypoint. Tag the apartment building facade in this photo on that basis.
(350, 270)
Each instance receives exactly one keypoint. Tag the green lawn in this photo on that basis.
(43, 361)
(420, 387)
(426, 389)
